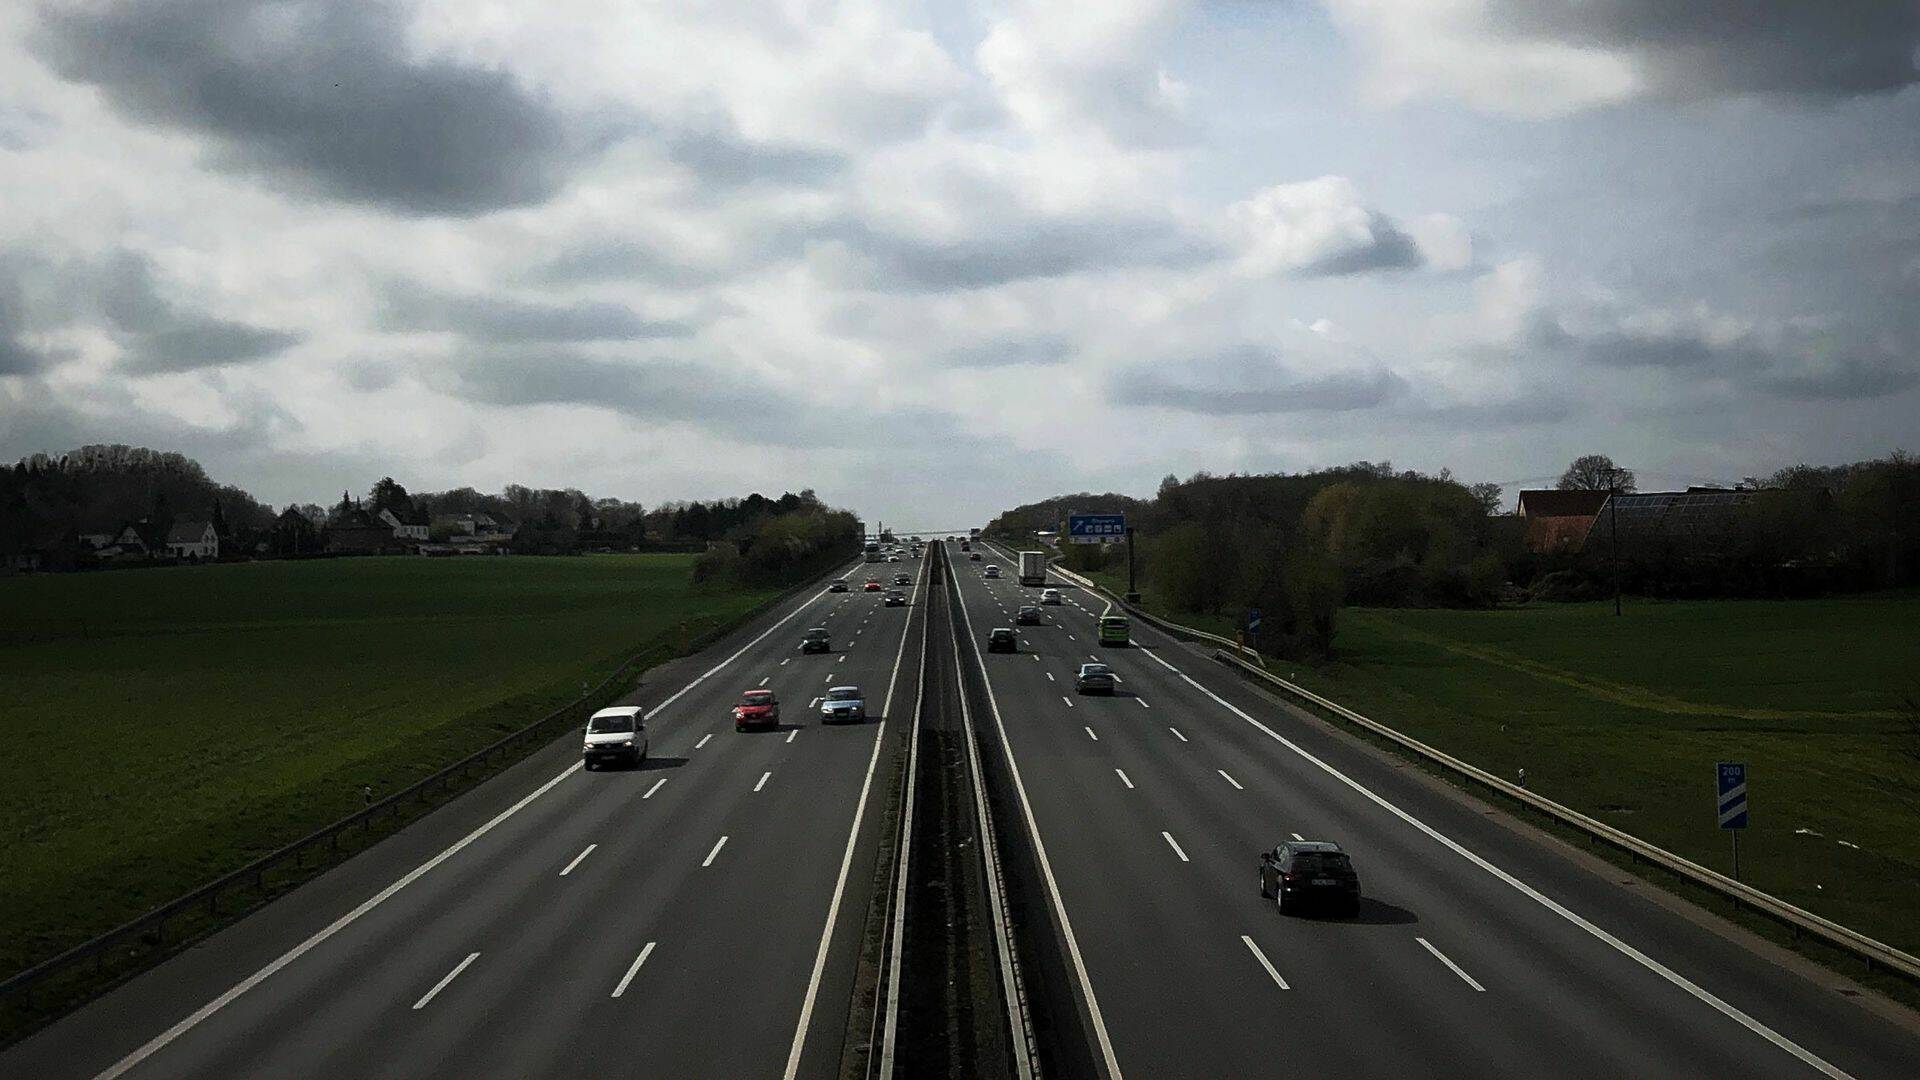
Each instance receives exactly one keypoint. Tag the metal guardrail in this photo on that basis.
(1876, 953)
(149, 930)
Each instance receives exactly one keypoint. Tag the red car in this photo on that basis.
(872, 585)
(758, 708)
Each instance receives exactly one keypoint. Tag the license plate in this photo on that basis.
(1325, 881)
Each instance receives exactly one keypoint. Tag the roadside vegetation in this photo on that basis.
(165, 726)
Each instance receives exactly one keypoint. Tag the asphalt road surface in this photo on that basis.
(1480, 949)
(697, 916)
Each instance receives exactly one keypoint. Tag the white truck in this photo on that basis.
(1033, 568)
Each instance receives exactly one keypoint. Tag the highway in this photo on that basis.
(1481, 948)
(696, 916)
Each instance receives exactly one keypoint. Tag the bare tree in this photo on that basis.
(1596, 472)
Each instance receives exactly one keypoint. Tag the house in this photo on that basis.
(357, 532)
(1558, 520)
(193, 540)
(475, 532)
(140, 539)
(1698, 520)
(410, 527)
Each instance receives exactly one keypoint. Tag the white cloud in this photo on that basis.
(1316, 227)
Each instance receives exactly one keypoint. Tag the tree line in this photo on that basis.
(1299, 546)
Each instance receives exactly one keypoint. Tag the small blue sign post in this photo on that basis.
(1095, 528)
(1731, 780)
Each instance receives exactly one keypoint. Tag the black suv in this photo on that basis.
(1303, 873)
(1001, 639)
(1027, 616)
(816, 640)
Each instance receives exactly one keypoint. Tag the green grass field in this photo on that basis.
(1623, 718)
(164, 726)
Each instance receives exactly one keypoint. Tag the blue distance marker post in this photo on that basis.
(1732, 780)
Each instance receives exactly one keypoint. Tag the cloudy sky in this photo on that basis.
(936, 259)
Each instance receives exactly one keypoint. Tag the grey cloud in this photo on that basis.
(1248, 383)
(721, 157)
(16, 357)
(322, 94)
(1038, 350)
(1040, 249)
(500, 318)
(1387, 248)
(1848, 379)
(606, 259)
(157, 336)
(1774, 46)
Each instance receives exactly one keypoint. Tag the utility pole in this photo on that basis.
(1613, 522)
(1133, 593)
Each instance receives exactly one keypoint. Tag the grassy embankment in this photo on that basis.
(165, 726)
(1623, 718)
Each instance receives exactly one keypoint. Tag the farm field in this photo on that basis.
(163, 726)
(1623, 719)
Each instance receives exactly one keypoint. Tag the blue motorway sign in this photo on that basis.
(1253, 620)
(1732, 777)
(1095, 528)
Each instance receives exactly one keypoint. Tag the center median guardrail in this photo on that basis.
(146, 935)
(1876, 953)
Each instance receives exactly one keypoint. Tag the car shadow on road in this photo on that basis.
(1380, 913)
(655, 763)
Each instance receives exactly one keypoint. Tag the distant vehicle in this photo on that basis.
(1050, 596)
(838, 585)
(615, 734)
(757, 708)
(816, 640)
(1002, 639)
(975, 556)
(1027, 616)
(895, 598)
(873, 551)
(1115, 630)
(843, 703)
(893, 558)
(902, 579)
(992, 571)
(1303, 873)
(1093, 679)
(872, 585)
(966, 545)
(1033, 568)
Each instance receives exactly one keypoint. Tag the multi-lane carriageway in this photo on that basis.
(702, 916)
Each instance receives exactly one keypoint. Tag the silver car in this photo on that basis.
(843, 703)
(1093, 679)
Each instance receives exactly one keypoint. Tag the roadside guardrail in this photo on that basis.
(1877, 954)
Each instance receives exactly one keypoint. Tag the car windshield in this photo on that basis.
(1096, 669)
(816, 634)
(757, 697)
(604, 725)
(843, 694)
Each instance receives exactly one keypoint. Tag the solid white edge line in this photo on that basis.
(632, 971)
(1230, 780)
(576, 859)
(853, 837)
(763, 780)
(1700, 993)
(1265, 963)
(715, 853)
(444, 980)
(654, 788)
(1123, 779)
(1175, 845)
(1455, 968)
(1046, 865)
(193, 1019)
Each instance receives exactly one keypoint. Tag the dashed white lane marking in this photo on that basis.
(1177, 735)
(1124, 780)
(703, 740)
(568, 869)
(1265, 963)
(1143, 703)
(763, 682)
(815, 703)
(1036, 657)
(1230, 780)
(1455, 968)
(1067, 699)
(1175, 845)
(1050, 677)
(1090, 734)
(634, 970)
(792, 733)
(1297, 836)
(445, 979)
(654, 788)
(711, 855)
(843, 656)
(763, 780)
